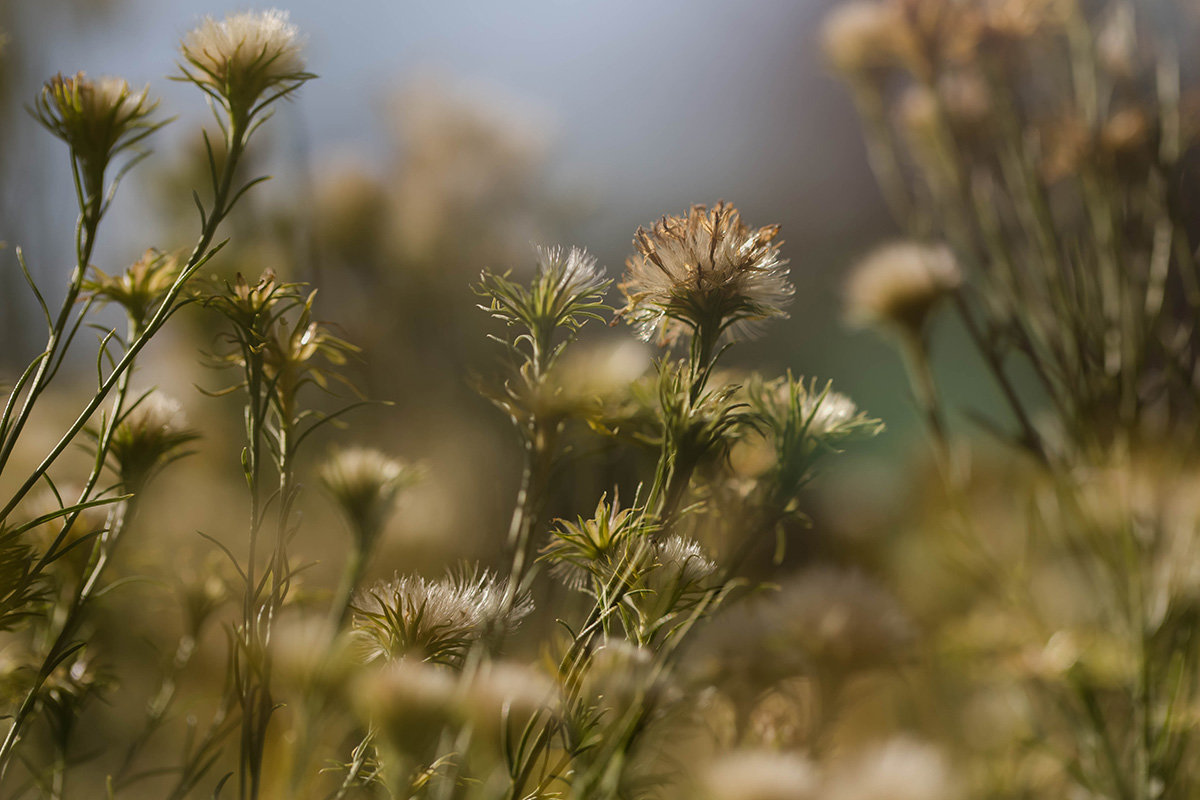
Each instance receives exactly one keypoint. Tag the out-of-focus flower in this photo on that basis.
(899, 284)
(139, 288)
(706, 272)
(862, 35)
(435, 620)
(245, 59)
(761, 775)
(148, 438)
(365, 483)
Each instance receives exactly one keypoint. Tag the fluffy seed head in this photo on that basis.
(435, 620)
(681, 562)
(148, 438)
(705, 272)
(243, 57)
(96, 118)
(899, 284)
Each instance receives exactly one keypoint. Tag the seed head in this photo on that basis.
(97, 119)
(244, 59)
(435, 620)
(149, 437)
(365, 483)
(705, 272)
(899, 284)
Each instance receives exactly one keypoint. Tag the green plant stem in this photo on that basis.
(222, 202)
(924, 388)
(85, 242)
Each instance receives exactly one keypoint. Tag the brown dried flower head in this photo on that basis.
(707, 273)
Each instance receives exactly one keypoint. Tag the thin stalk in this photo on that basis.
(90, 213)
(222, 198)
(924, 388)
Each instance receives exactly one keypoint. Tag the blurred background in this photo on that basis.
(442, 138)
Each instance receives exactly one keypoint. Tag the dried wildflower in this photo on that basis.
(863, 35)
(674, 573)
(566, 291)
(590, 550)
(901, 769)
(245, 61)
(899, 284)
(793, 409)
(799, 423)
(761, 775)
(707, 273)
(139, 288)
(250, 307)
(434, 620)
(840, 620)
(97, 119)
(148, 438)
(365, 482)
(681, 563)
(273, 331)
